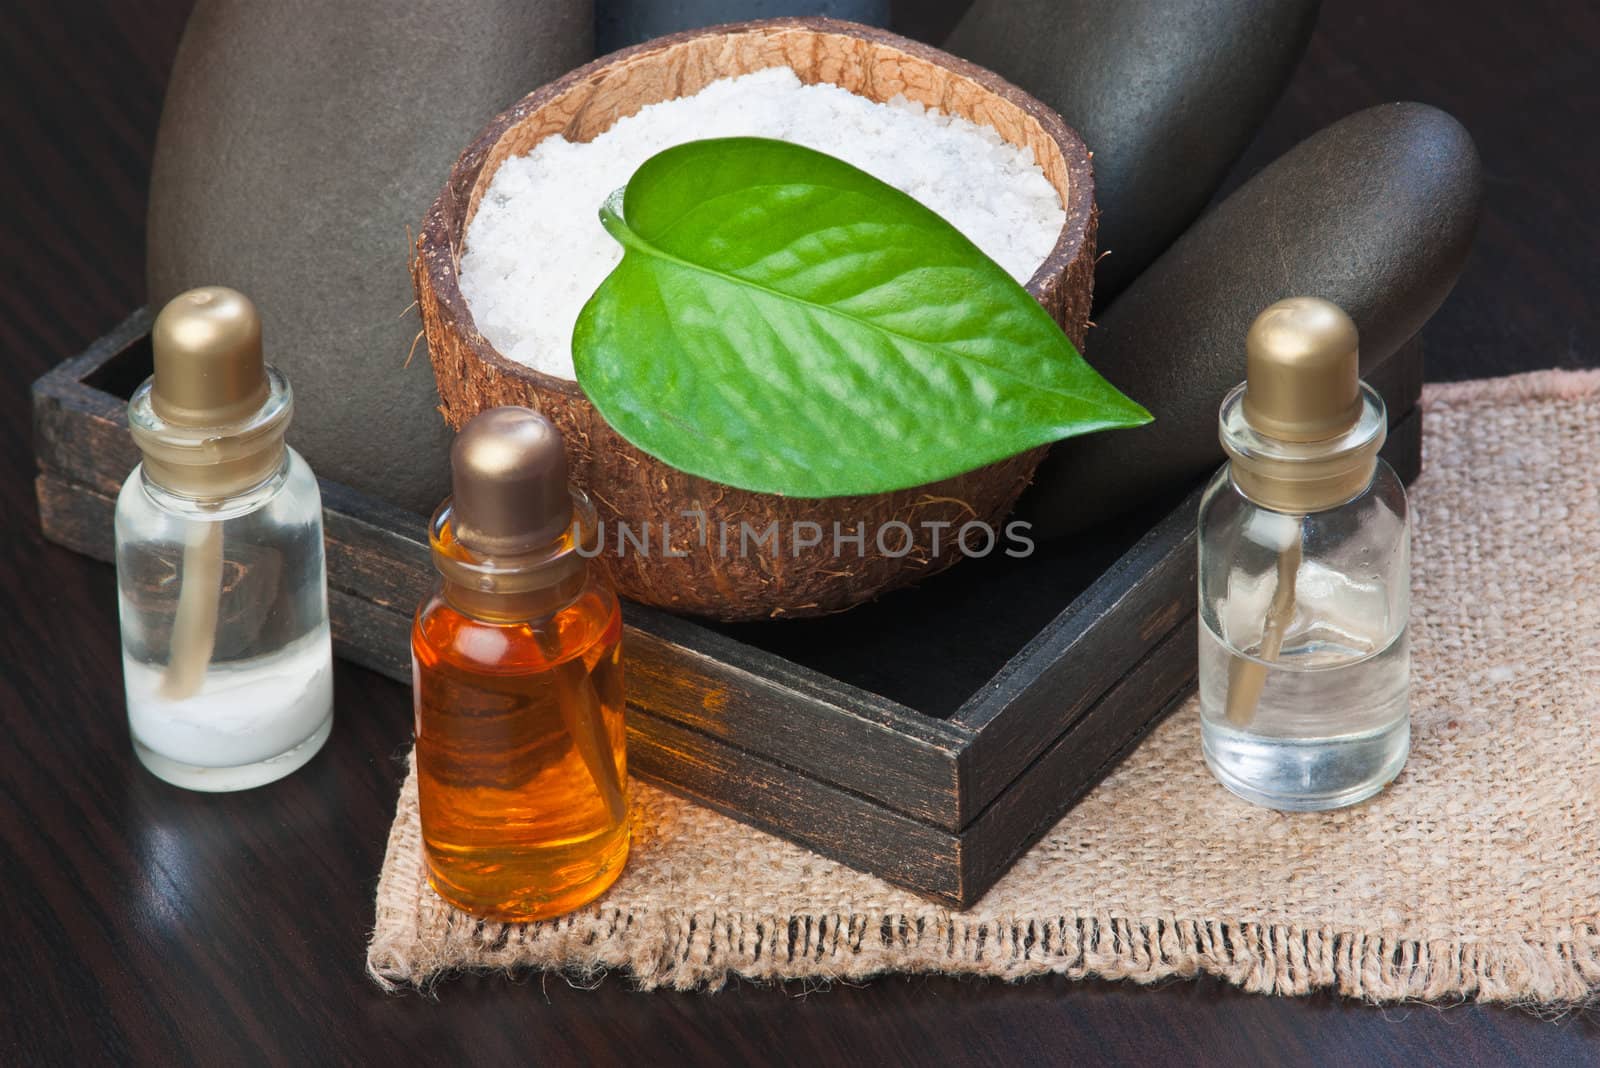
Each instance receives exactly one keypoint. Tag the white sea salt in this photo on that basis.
(536, 251)
(244, 712)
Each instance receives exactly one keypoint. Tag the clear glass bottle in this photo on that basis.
(226, 652)
(1304, 575)
(521, 757)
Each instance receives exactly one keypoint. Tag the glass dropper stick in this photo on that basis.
(584, 718)
(1247, 677)
(194, 627)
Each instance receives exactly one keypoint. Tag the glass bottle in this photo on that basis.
(1304, 574)
(517, 670)
(226, 656)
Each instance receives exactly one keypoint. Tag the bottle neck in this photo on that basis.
(270, 473)
(213, 464)
(1314, 491)
(1301, 477)
(493, 606)
(511, 589)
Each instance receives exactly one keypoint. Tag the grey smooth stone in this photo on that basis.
(298, 142)
(1375, 213)
(619, 23)
(1166, 94)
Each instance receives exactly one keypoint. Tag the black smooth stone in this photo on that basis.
(619, 23)
(297, 145)
(1375, 213)
(1166, 94)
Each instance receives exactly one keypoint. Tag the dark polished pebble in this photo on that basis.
(1166, 94)
(297, 145)
(1376, 213)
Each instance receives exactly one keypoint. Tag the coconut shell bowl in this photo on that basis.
(630, 486)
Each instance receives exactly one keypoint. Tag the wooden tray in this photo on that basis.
(928, 738)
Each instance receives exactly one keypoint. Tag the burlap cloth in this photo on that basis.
(1476, 875)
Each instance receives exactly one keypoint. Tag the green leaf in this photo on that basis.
(784, 322)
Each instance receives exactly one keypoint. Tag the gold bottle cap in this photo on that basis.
(509, 481)
(1303, 431)
(1303, 371)
(208, 365)
(211, 419)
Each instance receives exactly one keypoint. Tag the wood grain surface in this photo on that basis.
(147, 925)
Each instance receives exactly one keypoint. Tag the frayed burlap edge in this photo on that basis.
(704, 950)
(1555, 969)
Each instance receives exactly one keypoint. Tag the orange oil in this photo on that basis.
(519, 820)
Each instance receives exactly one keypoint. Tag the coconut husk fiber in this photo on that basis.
(1475, 876)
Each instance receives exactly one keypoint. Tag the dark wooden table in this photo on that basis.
(141, 923)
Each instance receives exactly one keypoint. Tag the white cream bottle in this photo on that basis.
(222, 587)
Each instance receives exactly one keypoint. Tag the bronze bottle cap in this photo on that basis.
(208, 365)
(211, 419)
(1303, 431)
(1303, 371)
(509, 481)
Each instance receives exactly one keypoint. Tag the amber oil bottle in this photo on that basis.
(521, 766)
